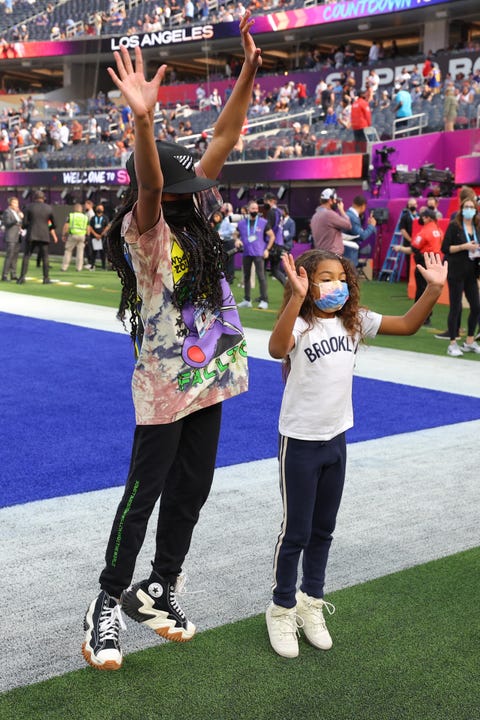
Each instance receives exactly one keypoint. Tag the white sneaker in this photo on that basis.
(471, 347)
(282, 630)
(263, 305)
(454, 351)
(245, 303)
(310, 610)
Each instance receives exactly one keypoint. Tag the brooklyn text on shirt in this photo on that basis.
(341, 343)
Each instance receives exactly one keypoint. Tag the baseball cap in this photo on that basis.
(328, 194)
(178, 169)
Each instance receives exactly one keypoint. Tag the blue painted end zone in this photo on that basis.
(67, 416)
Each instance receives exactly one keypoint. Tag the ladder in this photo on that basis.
(393, 264)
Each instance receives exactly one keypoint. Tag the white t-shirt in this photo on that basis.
(317, 401)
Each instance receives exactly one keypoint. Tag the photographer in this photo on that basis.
(226, 231)
(329, 222)
(356, 214)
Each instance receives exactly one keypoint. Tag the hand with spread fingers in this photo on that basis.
(139, 93)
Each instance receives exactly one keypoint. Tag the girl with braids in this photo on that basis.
(317, 334)
(191, 355)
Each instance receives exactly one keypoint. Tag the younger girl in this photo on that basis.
(317, 335)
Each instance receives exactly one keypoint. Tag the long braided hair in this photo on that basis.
(205, 260)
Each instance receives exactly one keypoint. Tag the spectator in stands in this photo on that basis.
(76, 132)
(403, 105)
(330, 119)
(466, 98)
(4, 149)
(385, 101)
(361, 118)
(373, 52)
(345, 115)
(450, 109)
(216, 101)
(189, 12)
(327, 97)
(329, 222)
(350, 58)
(373, 82)
(319, 88)
(415, 75)
(92, 126)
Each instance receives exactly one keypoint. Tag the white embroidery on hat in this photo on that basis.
(186, 161)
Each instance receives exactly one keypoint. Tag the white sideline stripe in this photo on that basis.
(408, 499)
(400, 366)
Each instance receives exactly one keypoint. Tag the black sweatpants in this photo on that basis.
(457, 286)
(174, 461)
(312, 475)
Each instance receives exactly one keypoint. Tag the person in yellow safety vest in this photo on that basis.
(73, 235)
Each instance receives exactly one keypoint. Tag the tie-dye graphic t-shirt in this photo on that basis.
(189, 359)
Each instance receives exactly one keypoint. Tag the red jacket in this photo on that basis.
(361, 115)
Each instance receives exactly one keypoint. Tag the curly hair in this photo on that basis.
(349, 313)
(204, 256)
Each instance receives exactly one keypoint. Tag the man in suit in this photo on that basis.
(12, 221)
(40, 226)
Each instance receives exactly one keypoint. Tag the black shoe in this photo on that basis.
(102, 624)
(153, 603)
(5, 279)
(14, 278)
(47, 281)
(20, 281)
(444, 336)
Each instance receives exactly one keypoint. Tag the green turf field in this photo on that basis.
(405, 648)
(102, 288)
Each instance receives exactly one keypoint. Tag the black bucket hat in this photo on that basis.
(177, 163)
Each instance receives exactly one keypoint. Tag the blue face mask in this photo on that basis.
(333, 295)
(468, 213)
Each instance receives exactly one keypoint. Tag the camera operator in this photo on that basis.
(329, 222)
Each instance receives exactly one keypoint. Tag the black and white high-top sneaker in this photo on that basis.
(153, 603)
(102, 624)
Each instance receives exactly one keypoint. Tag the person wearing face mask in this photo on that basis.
(432, 204)
(97, 230)
(462, 250)
(255, 237)
(405, 224)
(190, 348)
(320, 326)
(329, 222)
(427, 240)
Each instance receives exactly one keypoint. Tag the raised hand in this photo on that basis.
(253, 55)
(140, 94)
(298, 281)
(435, 271)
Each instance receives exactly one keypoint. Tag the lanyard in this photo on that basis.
(467, 235)
(254, 227)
